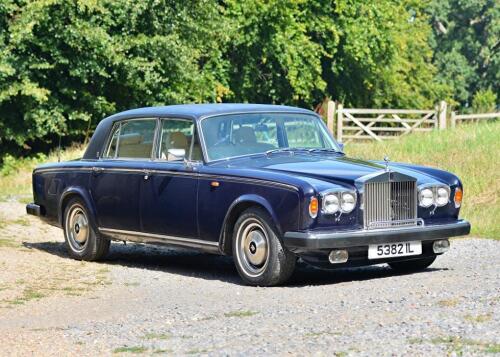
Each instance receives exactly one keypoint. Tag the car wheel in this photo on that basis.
(82, 240)
(412, 265)
(259, 255)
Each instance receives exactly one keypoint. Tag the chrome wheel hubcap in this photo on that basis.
(253, 247)
(77, 227)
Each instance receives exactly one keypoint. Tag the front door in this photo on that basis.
(169, 193)
(118, 175)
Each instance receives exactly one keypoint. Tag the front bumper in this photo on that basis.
(316, 240)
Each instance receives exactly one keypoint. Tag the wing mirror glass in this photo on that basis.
(176, 154)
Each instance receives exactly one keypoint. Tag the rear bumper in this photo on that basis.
(306, 241)
(33, 209)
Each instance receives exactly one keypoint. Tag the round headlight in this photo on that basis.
(442, 196)
(426, 197)
(331, 204)
(348, 202)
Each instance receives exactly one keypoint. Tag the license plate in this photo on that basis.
(390, 250)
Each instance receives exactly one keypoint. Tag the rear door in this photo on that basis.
(118, 175)
(169, 194)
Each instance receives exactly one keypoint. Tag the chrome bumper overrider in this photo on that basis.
(313, 240)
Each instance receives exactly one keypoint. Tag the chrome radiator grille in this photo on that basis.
(390, 204)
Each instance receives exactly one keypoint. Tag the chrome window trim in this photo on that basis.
(202, 136)
(156, 156)
(110, 138)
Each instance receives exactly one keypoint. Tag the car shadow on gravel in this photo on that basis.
(215, 267)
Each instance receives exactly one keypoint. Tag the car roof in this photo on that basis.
(192, 111)
(198, 111)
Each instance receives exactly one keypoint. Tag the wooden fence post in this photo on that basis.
(442, 115)
(330, 115)
(340, 116)
(453, 119)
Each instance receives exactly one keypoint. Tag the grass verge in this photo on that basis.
(470, 151)
(15, 173)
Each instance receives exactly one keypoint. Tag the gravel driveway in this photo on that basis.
(150, 300)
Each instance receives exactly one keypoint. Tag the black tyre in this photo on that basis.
(412, 265)
(258, 254)
(83, 242)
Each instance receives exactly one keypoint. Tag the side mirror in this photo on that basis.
(176, 154)
(341, 145)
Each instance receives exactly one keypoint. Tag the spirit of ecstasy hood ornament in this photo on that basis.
(386, 160)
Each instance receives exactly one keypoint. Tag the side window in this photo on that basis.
(132, 139)
(111, 150)
(175, 139)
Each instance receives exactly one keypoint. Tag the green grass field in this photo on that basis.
(470, 151)
(15, 174)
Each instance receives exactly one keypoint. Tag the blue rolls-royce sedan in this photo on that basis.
(266, 184)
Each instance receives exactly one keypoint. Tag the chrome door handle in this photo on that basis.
(147, 174)
(97, 170)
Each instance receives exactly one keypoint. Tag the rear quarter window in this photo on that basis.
(132, 139)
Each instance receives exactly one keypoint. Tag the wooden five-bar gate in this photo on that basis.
(382, 124)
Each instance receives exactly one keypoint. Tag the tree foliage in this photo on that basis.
(466, 44)
(66, 64)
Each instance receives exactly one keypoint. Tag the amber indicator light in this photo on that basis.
(215, 184)
(458, 197)
(313, 207)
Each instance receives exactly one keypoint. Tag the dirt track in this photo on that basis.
(151, 300)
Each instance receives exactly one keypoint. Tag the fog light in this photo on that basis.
(441, 246)
(338, 256)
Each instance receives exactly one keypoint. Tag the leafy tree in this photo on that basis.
(466, 43)
(383, 58)
(272, 58)
(64, 65)
(484, 101)
(361, 53)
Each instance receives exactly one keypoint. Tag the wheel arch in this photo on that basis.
(76, 192)
(239, 205)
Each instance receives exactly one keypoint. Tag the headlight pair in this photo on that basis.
(338, 201)
(429, 195)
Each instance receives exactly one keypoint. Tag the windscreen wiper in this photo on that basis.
(327, 150)
(278, 150)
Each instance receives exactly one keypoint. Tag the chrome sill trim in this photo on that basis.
(142, 237)
(61, 169)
